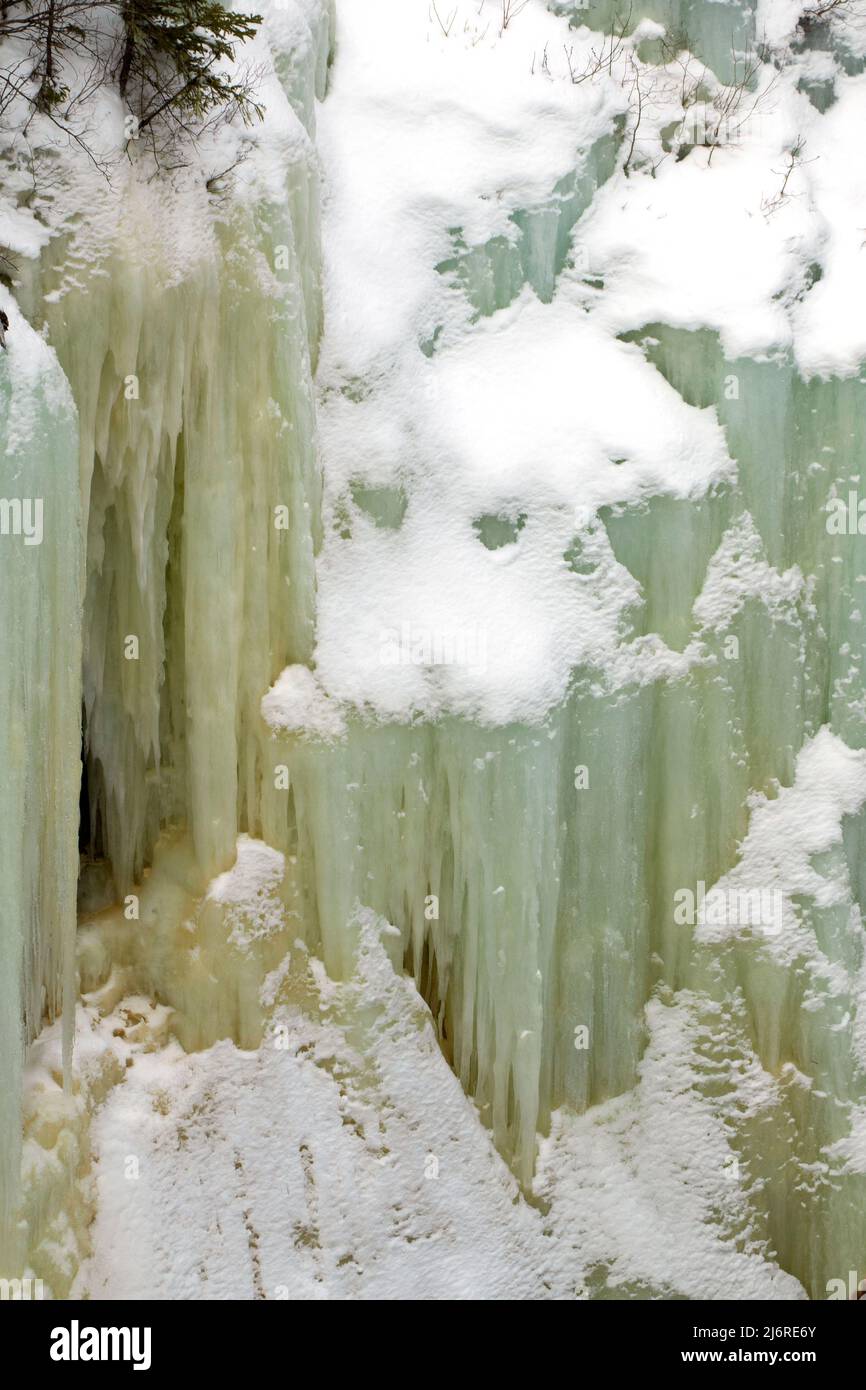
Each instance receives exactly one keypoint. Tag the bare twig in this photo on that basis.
(446, 28)
(796, 160)
(510, 10)
(636, 97)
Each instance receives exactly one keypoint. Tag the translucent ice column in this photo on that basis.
(40, 700)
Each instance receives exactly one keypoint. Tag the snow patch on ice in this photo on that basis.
(388, 1183)
(739, 571)
(785, 835)
(297, 703)
(640, 1188)
(431, 132)
(249, 891)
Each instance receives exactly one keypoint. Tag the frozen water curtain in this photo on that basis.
(432, 617)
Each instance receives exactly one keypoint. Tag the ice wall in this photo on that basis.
(186, 318)
(534, 870)
(717, 32)
(628, 520)
(664, 683)
(194, 597)
(185, 314)
(40, 684)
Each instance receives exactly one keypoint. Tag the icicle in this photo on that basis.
(198, 462)
(187, 329)
(40, 700)
(535, 871)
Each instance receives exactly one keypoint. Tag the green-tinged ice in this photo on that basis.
(535, 874)
(40, 698)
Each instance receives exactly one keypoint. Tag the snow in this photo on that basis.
(310, 1169)
(831, 323)
(788, 833)
(37, 384)
(537, 411)
(102, 189)
(296, 702)
(641, 1189)
(463, 453)
(249, 890)
(342, 1160)
(739, 572)
(421, 133)
(523, 417)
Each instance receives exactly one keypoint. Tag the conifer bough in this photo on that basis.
(173, 47)
(168, 57)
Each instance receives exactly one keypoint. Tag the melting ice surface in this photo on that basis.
(495, 826)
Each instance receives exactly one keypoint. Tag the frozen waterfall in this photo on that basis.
(450, 554)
